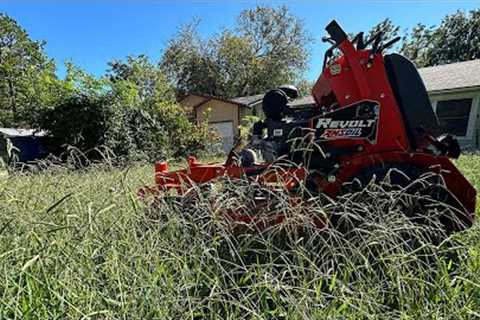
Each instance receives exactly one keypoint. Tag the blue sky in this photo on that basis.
(91, 33)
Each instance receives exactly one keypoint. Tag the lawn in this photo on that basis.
(79, 245)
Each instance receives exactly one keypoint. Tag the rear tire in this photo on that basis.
(427, 190)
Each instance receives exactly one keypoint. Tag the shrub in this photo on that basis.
(79, 121)
(131, 133)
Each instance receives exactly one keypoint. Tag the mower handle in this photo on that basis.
(336, 32)
(390, 43)
(337, 37)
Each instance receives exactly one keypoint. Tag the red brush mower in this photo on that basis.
(372, 114)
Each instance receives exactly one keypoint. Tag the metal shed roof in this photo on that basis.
(19, 132)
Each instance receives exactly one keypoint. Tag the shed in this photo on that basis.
(225, 115)
(22, 144)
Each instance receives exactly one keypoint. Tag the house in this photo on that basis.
(454, 90)
(22, 145)
(225, 115)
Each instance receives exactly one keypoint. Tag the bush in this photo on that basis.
(131, 133)
(79, 121)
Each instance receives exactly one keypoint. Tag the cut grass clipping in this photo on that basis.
(80, 245)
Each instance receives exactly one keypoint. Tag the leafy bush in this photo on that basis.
(130, 132)
(131, 112)
(79, 121)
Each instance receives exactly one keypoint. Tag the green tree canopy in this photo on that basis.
(27, 76)
(387, 27)
(148, 80)
(131, 111)
(457, 38)
(267, 47)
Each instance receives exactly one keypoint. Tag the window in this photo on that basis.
(453, 116)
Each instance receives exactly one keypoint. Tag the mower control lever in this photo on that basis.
(376, 43)
(390, 43)
(359, 41)
(376, 47)
(373, 38)
(328, 39)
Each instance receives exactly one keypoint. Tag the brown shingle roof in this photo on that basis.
(451, 76)
(303, 101)
(251, 100)
(248, 100)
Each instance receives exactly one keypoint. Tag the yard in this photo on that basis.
(78, 245)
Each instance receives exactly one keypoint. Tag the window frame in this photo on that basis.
(470, 132)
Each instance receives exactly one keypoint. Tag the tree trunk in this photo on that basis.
(13, 100)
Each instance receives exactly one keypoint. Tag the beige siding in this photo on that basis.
(191, 101)
(219, 111)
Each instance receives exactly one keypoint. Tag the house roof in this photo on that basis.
(210, 97)
(249, 100)
(303, 101)
(452, 76)
(19, 132)
(252, 100)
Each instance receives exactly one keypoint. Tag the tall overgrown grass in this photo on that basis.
(79, 244)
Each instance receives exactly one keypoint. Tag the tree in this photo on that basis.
(457, 38)
(131, 111)
(279, 44)
(146, 117)
(149, 81)
(305, 87)
(418, 46)
(27, 76)
(266, 48)
(78, 121)
(77, 82)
